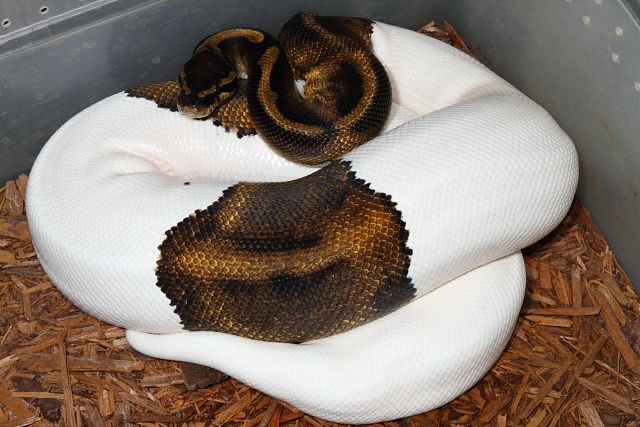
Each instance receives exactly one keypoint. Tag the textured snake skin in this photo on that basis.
(289, 262)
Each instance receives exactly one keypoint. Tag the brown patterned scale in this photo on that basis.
(289, 261)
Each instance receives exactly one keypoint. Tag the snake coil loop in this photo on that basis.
(347, 94)
(419, 228)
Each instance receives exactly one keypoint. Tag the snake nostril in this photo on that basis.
(6, 23)
(44, 10)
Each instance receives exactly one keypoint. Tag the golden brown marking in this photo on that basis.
(212, 42)
(224, 95)
(361, 59)
(348, 92)
(288, 261)
(185, 88)
(205, 92)
(162, 93)
(233, 115)
(231, 77)
(332, 121)
(268, 98)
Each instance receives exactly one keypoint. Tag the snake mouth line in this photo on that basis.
(194, 113)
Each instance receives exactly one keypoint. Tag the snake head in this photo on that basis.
(206, 81)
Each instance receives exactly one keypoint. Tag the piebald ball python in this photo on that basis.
(143, 217)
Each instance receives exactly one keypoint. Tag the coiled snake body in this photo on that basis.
(438, 207)
(347, 91)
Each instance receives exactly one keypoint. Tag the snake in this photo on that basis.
(353, 252)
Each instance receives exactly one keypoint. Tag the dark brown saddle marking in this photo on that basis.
(290, 261)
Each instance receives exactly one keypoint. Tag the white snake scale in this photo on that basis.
(479, 172)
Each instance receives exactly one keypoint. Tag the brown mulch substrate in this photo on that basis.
(572, 360)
